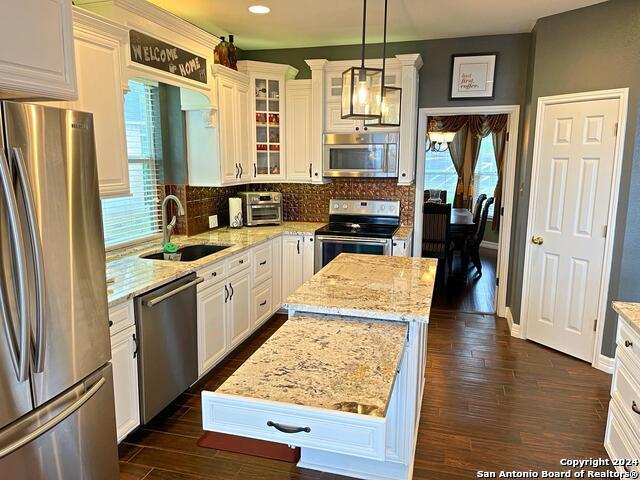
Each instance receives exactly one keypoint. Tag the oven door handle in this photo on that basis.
(264, 205)
(377, 241)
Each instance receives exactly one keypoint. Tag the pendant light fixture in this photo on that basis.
(438, 141)
(391, 96)
(362, 87)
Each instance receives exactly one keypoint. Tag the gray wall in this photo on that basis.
(435, 82)
(591, 48)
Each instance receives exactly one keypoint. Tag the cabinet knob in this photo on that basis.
(357, 129)
(316, 174)
(110, 323)
(404, 174)
(366, 128)
(214, 274)
(241, 262)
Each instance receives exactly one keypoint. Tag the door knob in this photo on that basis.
(537, 240)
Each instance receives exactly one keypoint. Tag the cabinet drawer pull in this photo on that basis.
(240, 262)
(110, 323)
(634, 407)
(263, 263)
(263, 303)
(287, 428)
(135, 342)
(627, 343)
(214, 274)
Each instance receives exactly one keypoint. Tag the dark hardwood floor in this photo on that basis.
(476, 294)
(491, 402)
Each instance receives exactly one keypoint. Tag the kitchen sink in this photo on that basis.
(190, 252)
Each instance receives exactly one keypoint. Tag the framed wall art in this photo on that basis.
(473, 76)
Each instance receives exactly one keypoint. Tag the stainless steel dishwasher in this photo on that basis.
(166, 321)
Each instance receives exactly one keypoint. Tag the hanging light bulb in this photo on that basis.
(391, 97)
(362, 87)
(438, 141)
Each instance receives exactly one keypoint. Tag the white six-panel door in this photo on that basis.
(574, 168)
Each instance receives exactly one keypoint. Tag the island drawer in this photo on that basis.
(300, 426)
(619, 442)
(121, 317)
(628, 341)
(626, 389)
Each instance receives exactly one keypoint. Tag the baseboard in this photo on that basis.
(489, 245)
(606, 364)
(514, 328)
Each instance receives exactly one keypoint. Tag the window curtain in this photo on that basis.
(457, 149)
(499, 146)
(481, 126)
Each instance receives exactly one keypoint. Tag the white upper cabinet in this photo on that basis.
(99, 65)
(298, 130)
(334, 123)
(37, 61)
(267, 117)
(101, 92)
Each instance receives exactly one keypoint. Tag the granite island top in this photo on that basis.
(370, 286)
(630, 311)
(332, 363)
(128, 275)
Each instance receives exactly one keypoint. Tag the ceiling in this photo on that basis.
(307, 23)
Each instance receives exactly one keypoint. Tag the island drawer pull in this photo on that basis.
(263, 303)
(263, 263)
(634, 407)
(627, 343)
(287, 428)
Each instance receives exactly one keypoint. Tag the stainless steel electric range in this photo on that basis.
(357, 226)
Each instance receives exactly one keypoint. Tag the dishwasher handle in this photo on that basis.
(157, 300)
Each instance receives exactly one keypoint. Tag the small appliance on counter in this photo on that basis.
(357, 226)
(261, 208)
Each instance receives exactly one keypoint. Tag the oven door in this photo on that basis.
(361, 160)
(264, 213)
(329, 247)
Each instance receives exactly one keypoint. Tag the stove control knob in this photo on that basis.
(335, 205)
(345, 206)
(382, 208)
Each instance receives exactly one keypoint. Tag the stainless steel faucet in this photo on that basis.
(167, 229)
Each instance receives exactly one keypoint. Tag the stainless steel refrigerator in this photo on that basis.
(57, 418)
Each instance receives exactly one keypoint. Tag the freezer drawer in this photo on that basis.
(78, 439)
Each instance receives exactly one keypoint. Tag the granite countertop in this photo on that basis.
(295, 365)
(128, 275)
(403, 233)
(630, 311)
(371, 286)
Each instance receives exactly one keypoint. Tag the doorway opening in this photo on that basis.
(465, 166)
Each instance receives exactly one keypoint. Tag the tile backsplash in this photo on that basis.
(301, 201)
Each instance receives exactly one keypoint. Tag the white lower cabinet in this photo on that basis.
(212, 325)
(297, 261)
(276, 274)
(262, 303)
(125, 381)
(239, 321)
(622, 440)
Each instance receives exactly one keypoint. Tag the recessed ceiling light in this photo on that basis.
(259, 9)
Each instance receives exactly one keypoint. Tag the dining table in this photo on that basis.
(463, 227)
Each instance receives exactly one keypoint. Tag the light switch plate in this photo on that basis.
(213, 221)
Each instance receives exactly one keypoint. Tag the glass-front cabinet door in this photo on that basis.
(269, 128)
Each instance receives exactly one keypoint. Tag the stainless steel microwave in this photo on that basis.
(361, 154)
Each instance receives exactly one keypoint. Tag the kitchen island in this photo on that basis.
(343, 378)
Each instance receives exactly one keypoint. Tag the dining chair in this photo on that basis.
(477, 210)
(436, 232)
(474, 248)
(434, 195)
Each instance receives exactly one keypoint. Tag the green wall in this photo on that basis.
(435, 81)
(593, 48)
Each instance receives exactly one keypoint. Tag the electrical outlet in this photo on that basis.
(213, 221)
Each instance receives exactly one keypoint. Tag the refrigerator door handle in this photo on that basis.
(20, 352)
(36, 247)
(52, 423)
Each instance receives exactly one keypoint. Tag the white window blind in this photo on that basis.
(138, 216)
(440, 174)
